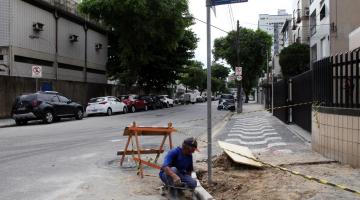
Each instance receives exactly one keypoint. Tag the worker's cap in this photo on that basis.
(191, 142)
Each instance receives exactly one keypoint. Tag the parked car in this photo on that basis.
(105, 105)
(200, 99)
(48, 106)
(158, 103)
(189, 98)
(166, 101)
(134, 103)
(226, 102)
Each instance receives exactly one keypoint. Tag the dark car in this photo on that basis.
(157, 102)
(226, 102)
(134, 103)
(46, 106)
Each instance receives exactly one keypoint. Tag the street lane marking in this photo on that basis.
(265, 141)
(252, 128)
(116, 140)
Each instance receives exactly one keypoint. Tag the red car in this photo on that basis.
(134, 103)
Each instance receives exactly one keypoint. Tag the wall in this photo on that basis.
(23, 16)
(10, 87)
(354, 39)
(4, 22)
(336, 134)
(322, 29)
(346, 17)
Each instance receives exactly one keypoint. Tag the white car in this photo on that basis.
(166, 100)
(105, 105)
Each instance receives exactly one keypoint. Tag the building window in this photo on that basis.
(95, 71)
(1, 57)
(313, 23)
(70, 67)
(34, 61)
(314, 53)
(322, 13)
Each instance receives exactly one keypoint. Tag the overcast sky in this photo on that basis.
(246, 13)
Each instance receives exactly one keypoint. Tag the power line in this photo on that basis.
(220, 29)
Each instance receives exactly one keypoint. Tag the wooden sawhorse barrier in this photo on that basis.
(136, 131)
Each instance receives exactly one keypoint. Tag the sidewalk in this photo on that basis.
(234, 181)
(6, 122)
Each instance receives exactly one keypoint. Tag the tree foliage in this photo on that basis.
(150, 40)
(253, 46)
(294, 59)
(219, 71)
(194, 76)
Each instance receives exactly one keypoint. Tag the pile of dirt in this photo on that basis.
(235, 181)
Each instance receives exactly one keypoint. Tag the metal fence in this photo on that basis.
(281, 99)
(337, 80)
(301, 92)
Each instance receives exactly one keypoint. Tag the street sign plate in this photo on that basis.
(238, 71)
(222, 2)
(36, 71)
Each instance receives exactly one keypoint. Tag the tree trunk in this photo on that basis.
(246, 98)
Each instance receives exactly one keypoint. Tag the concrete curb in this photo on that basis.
(6, 123)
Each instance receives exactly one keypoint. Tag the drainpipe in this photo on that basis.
(86, 45)
(56, 65)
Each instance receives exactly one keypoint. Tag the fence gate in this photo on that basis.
(301, 92)
(280, 99)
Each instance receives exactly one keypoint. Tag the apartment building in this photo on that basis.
(52, 34)
(331, 22)
(272, 24)
(301, 13)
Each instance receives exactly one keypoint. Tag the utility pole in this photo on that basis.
(239, 85)
(209, 135)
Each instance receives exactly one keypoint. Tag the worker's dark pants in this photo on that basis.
(186, 179)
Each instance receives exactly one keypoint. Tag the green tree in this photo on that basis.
(231, 84)
(150, 40)
(253, 46)
(194, 76)
(294, 59)
(219, 71)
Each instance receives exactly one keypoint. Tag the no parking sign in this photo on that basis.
(36, 71)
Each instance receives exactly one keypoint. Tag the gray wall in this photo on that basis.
(11, 87)
(23, 16)
(4, 22)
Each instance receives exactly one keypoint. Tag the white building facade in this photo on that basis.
(319, 29)
(301, 29)
(53, 35)
(272, 24)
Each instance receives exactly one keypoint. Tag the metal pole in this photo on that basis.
(208, 18)
(272, 89)
(239, 86)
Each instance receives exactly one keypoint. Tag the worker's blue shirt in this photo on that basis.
(176, 158)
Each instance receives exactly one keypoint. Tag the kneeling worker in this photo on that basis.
(178, 165)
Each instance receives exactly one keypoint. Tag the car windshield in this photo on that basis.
(95, 100)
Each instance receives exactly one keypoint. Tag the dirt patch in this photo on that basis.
(234, 181)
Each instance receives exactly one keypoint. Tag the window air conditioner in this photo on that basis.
(98, 46)
(38, 26)
(73, 38)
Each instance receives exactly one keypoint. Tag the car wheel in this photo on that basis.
(125, 110)
(133, 109)
(109, 112)
(167, 105)
(146, 108)
(48, 117)
(171, 105)
(79, 114)
(20, 122)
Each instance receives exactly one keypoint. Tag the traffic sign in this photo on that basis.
(238, 71)
(36, 71)
(238, 78)
(222, 2)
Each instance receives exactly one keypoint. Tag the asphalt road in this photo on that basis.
(77, 159)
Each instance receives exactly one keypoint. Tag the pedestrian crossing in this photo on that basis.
(256, 133)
